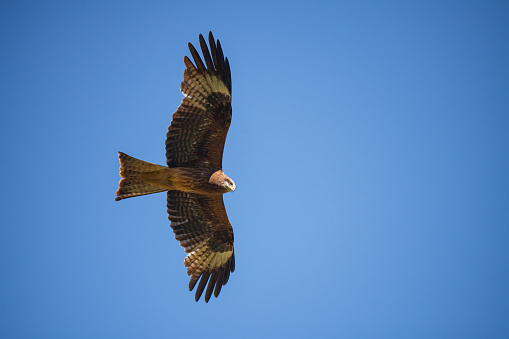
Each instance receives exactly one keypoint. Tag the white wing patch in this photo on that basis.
(203, 258)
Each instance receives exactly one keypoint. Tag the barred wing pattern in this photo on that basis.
(201, 225)
(196, 139)
(198, 130)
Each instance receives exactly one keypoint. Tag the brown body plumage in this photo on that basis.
(193, 176)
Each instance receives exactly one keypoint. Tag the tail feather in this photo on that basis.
(133, 183)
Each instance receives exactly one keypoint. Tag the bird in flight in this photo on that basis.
(194, 178)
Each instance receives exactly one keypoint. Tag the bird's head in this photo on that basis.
(228, 183)
(222, 180)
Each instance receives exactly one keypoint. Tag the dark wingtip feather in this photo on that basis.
(201, 286)
(188, 62)
(226, 275)
(206, 53)
(219, 282)
(220, 56)
(228, 75)
(210, 288)
(213, 51)
(196, 57)
(211, 38)
(232, 263)
(220, 61)
(193, 281)
(214, 59)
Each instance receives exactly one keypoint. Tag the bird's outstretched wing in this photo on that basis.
(198, 130)
(201, 225)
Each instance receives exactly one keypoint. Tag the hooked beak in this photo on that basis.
(232, 187)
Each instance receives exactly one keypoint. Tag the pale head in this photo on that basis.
(220, 179)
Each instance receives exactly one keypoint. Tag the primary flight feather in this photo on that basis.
(193, 176)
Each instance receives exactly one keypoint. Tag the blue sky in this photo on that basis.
(369, 145)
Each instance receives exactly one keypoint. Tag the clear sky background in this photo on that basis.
(369, 145)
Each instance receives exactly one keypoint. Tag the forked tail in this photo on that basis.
(133, 181)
